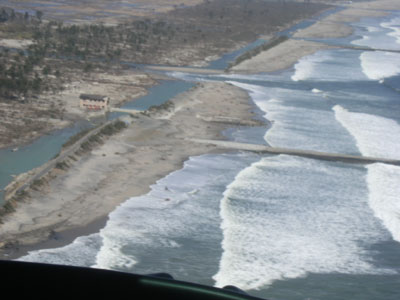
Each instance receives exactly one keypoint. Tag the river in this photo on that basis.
(280, 227)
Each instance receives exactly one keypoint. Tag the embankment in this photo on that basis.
(151, 147)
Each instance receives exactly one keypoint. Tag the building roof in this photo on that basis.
(92, 97)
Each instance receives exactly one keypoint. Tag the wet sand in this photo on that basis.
(125, 166)
(286, 54)
(78, 201)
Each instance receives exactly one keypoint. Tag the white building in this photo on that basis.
(94, 102)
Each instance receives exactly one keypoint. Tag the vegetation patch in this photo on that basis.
(166, 106)
(38, 183)
(7, 208)
(73, 139)
(113, 128)
(98, 138)
(62, 165)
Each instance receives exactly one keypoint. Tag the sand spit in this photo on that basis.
(280, 57)
(325, 29)
(125, 166)
(154, 145)
(288, 53)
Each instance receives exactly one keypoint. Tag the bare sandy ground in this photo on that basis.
(378, 5)
(119, 86)
(334, 25)
(151, 147)
(279, 57)
(325, 29)
(288, 53)
(20, 123)
(126, 165)
(14, 43)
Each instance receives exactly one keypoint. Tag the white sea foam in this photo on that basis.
(373, 29)
(378, 136)
(328, 65)
(257, 93)
(141, 222)
(156, 223)
(386, 35)
(81, 252)
(316, 91)
(384, 198)
(394, 26)
(375, 136)
(294, 115)
(377, 65)
(110, 255)
(283, 217)
(306, 66)
(171, 212)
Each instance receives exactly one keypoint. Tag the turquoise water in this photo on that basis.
(223, 62)
(33, 155)
(45, 148)
(279, 227)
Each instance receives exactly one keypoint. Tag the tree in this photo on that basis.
(3, 16)
(36, 84)
(13, 16)
(88, 67)
(39, 15)
(46, 70)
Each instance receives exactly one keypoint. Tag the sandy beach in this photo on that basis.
(125, 166)
(77, 201)
(278, 58)
(289, 52)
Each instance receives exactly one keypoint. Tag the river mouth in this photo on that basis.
(35, 154)
(281, 227)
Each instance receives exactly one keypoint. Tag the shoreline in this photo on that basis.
(120, 85)
(126, 165)
(146, 141)
(335, 25)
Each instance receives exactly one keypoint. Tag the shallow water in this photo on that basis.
(280, 227)
(45, 148)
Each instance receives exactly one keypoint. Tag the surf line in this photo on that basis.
(356, 159)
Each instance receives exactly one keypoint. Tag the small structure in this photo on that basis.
(94, 102)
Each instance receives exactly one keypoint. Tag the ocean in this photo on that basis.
(280, 227)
